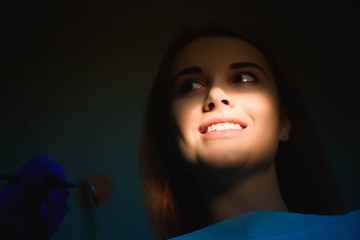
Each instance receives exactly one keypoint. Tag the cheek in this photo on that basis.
(187, 117)
(186, 114)
(263, 110)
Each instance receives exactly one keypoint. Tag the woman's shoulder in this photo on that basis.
(281, 225)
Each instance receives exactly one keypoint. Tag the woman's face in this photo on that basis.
(225, 104)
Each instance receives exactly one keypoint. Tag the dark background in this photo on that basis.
(75, 77)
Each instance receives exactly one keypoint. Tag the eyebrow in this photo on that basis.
(232, 66)
(188, 71)
(245, 64)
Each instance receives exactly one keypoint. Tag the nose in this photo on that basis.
(216, 98)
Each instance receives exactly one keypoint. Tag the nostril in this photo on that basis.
(224, 101)
(211, 105)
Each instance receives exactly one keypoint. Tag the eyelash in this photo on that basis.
(240, 74)
(185, 88)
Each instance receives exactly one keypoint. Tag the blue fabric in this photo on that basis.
(280, 226)
(34, 207)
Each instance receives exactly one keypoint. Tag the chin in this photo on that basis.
(224, 159)
(234, 156)
(225, 154)
(229, 165)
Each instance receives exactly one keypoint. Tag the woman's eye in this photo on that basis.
(189, 86)
(244, 78)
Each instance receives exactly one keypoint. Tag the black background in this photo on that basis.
(75, 78)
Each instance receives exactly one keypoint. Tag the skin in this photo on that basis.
(235, 168)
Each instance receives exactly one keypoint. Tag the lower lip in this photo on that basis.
(223, 134)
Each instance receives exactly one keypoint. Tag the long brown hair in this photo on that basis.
(171, 192)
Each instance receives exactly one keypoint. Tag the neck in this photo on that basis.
(241, 193)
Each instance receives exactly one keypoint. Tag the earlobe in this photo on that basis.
(284, 135)
(285, 129)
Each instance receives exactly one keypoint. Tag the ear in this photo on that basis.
(285, 128)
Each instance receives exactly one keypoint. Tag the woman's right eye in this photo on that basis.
(189, 86)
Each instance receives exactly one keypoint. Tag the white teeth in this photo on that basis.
(219, 127)
(223, 126)
(213, 128)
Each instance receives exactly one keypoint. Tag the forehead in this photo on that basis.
(212, 51)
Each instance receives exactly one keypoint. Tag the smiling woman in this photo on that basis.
(234, 90)
(227, 135)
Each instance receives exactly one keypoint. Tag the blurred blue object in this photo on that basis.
(269, 225)
(34, 207)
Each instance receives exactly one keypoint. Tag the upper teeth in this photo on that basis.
(223, 126)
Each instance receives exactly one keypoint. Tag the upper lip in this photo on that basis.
(212, 121)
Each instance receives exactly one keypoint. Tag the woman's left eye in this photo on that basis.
(244, 78)
(189, 87)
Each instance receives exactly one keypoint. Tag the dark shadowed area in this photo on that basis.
(75, 78)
